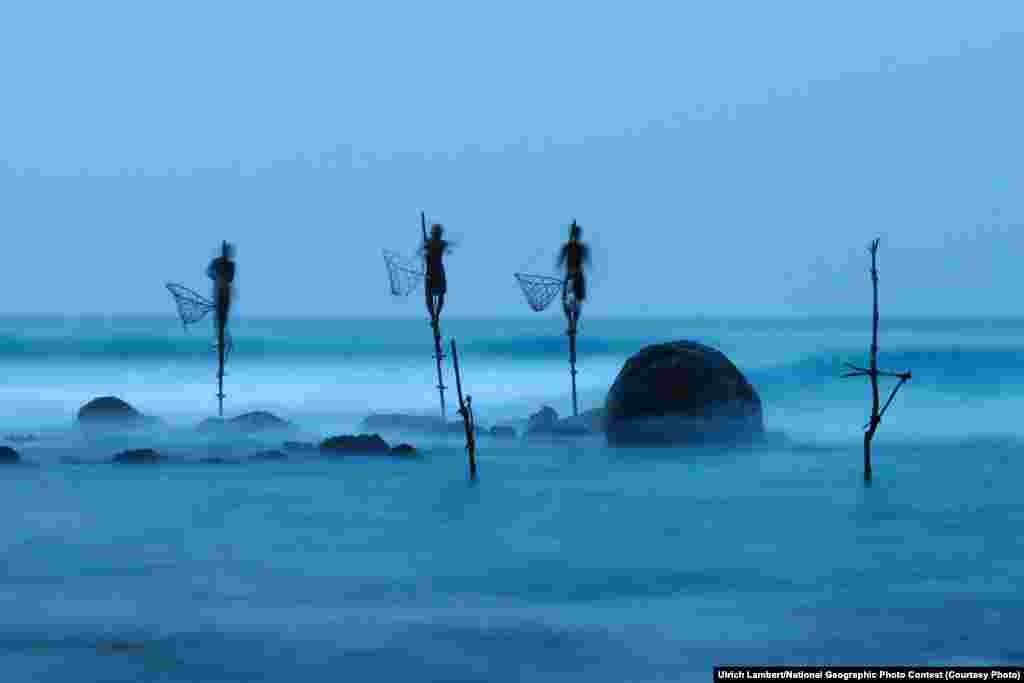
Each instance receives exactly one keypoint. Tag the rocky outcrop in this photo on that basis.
(542, 422)
(138, 456)
(362, 443)
(9, 456)
(112, 413)
(404, 450)
(546, 423)
(247, 423)
(681, 393)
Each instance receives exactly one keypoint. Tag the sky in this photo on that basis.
(724, 159)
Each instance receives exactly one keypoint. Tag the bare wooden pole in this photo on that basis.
(435, 322)
(872, 372)
(572, 360)
(466, 411)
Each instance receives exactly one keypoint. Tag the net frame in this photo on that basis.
(192, 306)
(403, 277)
(539, 290)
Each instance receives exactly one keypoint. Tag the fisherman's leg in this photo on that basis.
(430, 306)
(440, 303)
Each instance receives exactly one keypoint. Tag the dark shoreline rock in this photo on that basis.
(111, 412)
(246, 423)
(9, 456)
(681, 393)
(546, 423)
(268, 456)
(361, 443)
(137, 456)
(404, 450)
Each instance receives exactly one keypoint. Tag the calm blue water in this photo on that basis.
(564, 562)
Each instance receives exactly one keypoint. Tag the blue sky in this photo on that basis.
(725, 158)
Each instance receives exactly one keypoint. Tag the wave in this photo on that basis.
(956, 369)
(147, 346)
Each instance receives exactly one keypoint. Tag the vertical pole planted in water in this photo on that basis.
(220, 376)
(872, 372)
(466, 411)
(572, 359)
(435, 322)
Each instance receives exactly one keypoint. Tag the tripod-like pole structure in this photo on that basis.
(466, 411)
(435, 325)
(872, 372)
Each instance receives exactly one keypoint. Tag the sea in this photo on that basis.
(564, 561)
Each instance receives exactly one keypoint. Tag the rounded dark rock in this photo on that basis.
(111, 412)
(361, 443)
(681, 393)
(246, 423)
(404, 450)
(543, 421)
(137, 456)
(9, 456)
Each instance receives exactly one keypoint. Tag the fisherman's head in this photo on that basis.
(436, 230)
(227, 250)
(575, 231)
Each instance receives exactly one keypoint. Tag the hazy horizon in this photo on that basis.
(722, 163)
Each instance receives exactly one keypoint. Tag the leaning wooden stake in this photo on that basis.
(872, 371)
(466, 411)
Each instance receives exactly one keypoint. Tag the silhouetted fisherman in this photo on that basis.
(573, 256)
(222, 271)
(434, 248)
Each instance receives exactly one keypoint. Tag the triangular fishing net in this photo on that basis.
(539, 290)
(403, 276)
(192, 307)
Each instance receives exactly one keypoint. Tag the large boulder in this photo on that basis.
(681, 392)
(9, 456)
(111, 412)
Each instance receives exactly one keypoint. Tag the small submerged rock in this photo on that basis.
(299, 446)
(9, 456)
(403, 449)
(137, 456)
(502, 432)
(265, 456)
(218, 460)
(21, 438)
(362, 443)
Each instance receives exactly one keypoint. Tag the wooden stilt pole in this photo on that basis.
(466, 411)
(872, 372)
